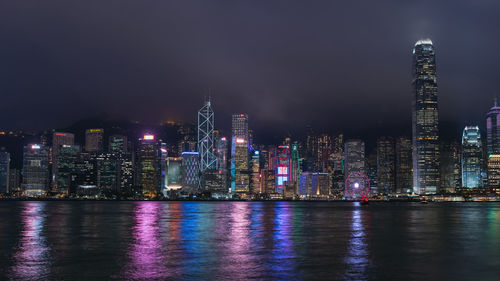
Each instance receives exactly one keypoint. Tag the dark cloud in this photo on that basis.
(334, 64)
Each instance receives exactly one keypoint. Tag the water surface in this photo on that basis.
(249, 240)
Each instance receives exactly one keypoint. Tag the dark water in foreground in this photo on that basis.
(241, 240)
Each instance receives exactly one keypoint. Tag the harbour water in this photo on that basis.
(92, 240)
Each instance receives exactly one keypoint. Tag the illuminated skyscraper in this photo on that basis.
(190, 170)
(206, 141)
(472, 157)
(35, 170)
(403, 165)
(450, 166)
(314, 184)
(324, 150)
(386, 165)
(283, 166)
(59, 139)
(494, 173)
(240, 126)
(66, 166)
(4, 171)
(239, 167)
(149, 168)
(222, 161)
(425, 119)
(93, 140)
(239, 156)
(493, 147)
(174, 174)
(354, 155)
(493, 130)
(255, 182)
(296, 166)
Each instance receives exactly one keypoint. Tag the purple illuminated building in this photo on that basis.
(493, 130)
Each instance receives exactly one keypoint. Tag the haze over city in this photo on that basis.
(335, 65)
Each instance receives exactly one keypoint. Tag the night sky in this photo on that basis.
(332, 64)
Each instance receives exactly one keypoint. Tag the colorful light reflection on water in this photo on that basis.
(31, 256)
(248, 240)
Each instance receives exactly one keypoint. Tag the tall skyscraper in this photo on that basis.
(94, 140)
(425, 119)
(59, 139)
(493, 130)
(255, 166)
(35, 170)
(190, 170)
(222, 161)
(296, 166)
(354, 155)
(239, 153)
(240, 168)
(450, 166)
(4, 171)
(494, 173)
(66, 166)
(283, 166)
(403, 165)
(324, 148)
(206, 140)
(149, 169)
(239, 126)
(472, 157)
(493, 147)
(386, 165)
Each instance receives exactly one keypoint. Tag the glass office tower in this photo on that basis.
(425, 119)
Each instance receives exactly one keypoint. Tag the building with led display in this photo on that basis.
(174, 175)
(190, 170)
(149, 165)
(283, 167)
(472, 157)
(35, 170)
(314, 184)
(94, 140)
(425, 119)
(493, 130)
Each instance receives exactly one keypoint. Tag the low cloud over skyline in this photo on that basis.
(285, 63)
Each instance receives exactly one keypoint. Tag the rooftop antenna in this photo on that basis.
(495, 101)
